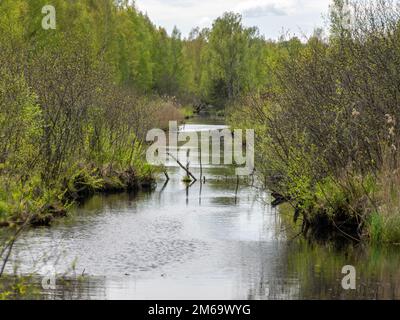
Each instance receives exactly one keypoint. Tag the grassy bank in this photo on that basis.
(34, 204)
(68, 137)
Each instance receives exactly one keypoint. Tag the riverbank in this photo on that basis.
(82, 185)
(328, 138)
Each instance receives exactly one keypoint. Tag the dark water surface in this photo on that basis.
(202, 242)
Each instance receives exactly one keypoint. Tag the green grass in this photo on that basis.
(384, 229)
(187, 112)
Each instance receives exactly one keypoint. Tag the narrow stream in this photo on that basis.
(202, 242)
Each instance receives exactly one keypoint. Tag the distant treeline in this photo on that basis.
(215, 65)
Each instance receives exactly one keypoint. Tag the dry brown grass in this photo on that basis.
(165, 110)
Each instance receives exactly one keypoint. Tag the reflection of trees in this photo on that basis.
(266, 279)
(318, 268)
(313, 271)
(80, 288)
(224, 201)
(72, 288)
(112, 202)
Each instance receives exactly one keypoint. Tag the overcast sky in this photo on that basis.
(270, 16)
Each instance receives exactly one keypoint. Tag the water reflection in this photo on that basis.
(318, 268)
(203, 241)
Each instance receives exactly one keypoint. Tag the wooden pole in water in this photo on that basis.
(201, 165)
(252, 177)
(187, 159)
(237, 188)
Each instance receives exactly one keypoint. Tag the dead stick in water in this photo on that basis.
(201, 166)
(183, 167)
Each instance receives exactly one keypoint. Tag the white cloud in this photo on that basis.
(270, 16)
(260, 8)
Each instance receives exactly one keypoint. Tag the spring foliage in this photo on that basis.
(327, 124)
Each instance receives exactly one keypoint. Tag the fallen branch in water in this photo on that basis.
(183, 167)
